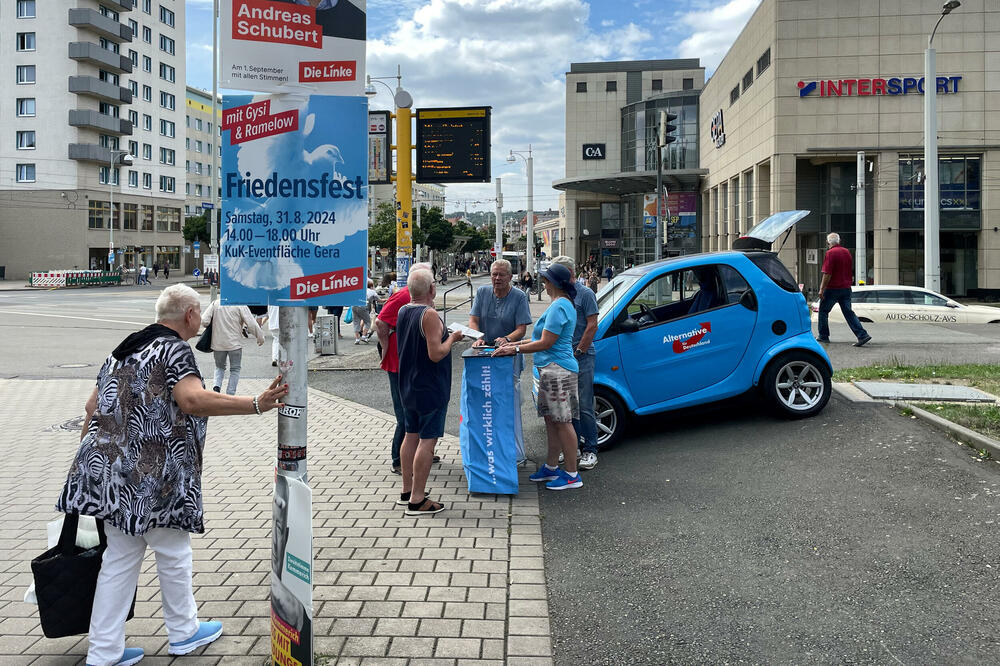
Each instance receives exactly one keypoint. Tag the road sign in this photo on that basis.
(205, 205)
(196, 272)
(197, 245)
(384, 252)
(211, 262)
(453, 145)
(493, 252)
(379, 141)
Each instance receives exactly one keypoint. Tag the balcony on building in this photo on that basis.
(96, 120)
(122, 5)
(89, 152)
(94, 87)
(95, 54)
(96, 22)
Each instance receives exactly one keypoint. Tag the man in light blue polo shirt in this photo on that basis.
(500, 311)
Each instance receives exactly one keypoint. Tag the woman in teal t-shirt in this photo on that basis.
(558, 397)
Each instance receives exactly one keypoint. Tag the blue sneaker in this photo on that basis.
(130, 656)
(544, 473)
(207, 633)
(565, 481)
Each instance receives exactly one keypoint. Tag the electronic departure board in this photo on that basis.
(453, 145)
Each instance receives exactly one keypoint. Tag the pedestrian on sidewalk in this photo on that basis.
(424, 388)
(138, 469)
(166, 271)
(228, 323)
(558, 393)
(362, 315)
(585, 303)
(156, 270)
(144, 274)
(838, 276)
(385, 328)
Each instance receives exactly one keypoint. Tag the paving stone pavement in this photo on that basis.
(466, 586)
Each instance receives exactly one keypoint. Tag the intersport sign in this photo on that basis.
(862, 87)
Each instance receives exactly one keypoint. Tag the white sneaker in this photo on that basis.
(357, 342)
(588, 460)
(562, 458)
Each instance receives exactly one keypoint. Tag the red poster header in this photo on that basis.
(247, 112)
(279, 123)
(277, 23)
(324, 284)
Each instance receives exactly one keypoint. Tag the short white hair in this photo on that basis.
(174, 301)
(568, 262)
(422, 266)
(833, 238)
(502, 263)
(420, 282)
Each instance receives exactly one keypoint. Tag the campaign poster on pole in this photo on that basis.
(294, 200)
(291, 569)
(281, 45)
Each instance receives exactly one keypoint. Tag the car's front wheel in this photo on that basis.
(797, 384)
(609, 410)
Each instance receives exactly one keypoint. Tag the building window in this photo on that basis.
(166, 44)
(197, 190)
(133, 55)
(147, 94)
(167, 184)
(166, 16)
(724, 217)
(147, 64)
(25, 107)
(133, 87)
(147, 217)
(687, 84)
(97, 212)
(208, 148)
(147, 6)
(25, 41)
(748, 79)
(109, 142)
(133, 148)
(147, 122)
(108, 45)
(610, 86)
(133, 117)
(133, 181)
(748, 199)
(26, 172)
(147, 34)
(763, 62)
(734, 187)
(133, 26)
(197, 146)
(167, 72)
(734, 95)
(147, 151)
(167, 156)
(104, 173)
(26, 140)
(657, 84)
(168, 219)
(109, 109)
(147, 184)
(209, 128)
(197, 124)
(581, 86)
(130, 217)
(110, 13)
(25, 8)
(167, 128)
(168, 101)
(25, 74)
(187, 143)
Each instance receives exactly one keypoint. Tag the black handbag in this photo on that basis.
(65, 582)
(205, 341)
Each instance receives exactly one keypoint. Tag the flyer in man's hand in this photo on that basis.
(466, 331)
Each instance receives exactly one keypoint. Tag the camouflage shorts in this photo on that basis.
(558, 394)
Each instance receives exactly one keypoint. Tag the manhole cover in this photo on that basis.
(73, 365)
(943, 392)
(74, 424)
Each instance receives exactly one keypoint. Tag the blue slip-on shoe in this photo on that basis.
(544, 473)
(130, 656)
(565, 481)
(207, 633)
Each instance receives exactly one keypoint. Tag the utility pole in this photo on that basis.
(215, 214)
(531, 213)
(498, 229)
(860, 254)
(404, 183)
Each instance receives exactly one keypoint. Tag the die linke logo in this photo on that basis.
(328, 70)
(324, 284)
(594, 151)
(896, 85)
(690, 339)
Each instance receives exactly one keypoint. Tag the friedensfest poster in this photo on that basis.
(294, 200)
(280, 45)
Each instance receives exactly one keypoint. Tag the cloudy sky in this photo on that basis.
(513, 55)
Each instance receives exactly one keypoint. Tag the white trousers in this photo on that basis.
(116, 585)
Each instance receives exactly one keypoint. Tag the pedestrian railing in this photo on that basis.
(444, 305)
(74, 278)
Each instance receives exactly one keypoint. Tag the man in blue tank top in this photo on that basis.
(424, 347)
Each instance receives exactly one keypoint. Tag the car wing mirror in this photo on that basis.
(628, 325)
(749, 300)
(952, 305)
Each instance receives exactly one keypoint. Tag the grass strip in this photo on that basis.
(984, 419)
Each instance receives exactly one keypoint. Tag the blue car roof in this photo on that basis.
(685, 260)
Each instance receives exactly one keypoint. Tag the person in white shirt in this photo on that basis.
(362, 315)
(228, 322)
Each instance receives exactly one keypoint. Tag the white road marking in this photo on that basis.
(105, 321)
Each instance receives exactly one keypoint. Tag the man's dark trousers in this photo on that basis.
(843, 298)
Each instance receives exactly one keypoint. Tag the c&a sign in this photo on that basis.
(594, 151)
(718, 130)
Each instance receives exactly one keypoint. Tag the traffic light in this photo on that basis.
(666, 135)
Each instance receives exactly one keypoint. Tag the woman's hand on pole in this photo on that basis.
(268, 400)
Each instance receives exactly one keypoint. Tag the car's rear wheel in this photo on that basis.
(797, 384)
(610, 412)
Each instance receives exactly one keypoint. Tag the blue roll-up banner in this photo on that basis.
(490, 434)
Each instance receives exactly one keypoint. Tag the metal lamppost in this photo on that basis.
(126, 158)
(932, 196)
(530, 249)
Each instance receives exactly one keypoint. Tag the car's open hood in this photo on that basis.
(765, 233)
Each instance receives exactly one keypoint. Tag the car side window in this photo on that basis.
(892, 297)
(733, 284)
(681, 293)
(923, 298)
(862, 297)
(661, 292)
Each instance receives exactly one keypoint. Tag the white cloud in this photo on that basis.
(715, 30)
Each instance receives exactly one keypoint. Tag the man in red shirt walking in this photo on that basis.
(838, 275)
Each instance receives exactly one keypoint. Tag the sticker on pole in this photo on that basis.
(291, 573)
(277, 45)
(295, 200)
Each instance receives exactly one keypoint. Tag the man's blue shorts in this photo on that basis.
(430, 425)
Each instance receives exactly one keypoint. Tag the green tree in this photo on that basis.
(197, 229)
(439, 232)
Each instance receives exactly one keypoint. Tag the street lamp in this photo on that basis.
(126, 158)
(932, 197)
(530, 250)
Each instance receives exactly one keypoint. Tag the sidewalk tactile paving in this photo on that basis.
(466, 586)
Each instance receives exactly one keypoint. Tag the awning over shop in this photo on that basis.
(634, 182)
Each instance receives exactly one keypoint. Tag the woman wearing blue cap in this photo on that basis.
(558, 397)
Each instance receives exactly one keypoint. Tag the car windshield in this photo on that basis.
(612, 292)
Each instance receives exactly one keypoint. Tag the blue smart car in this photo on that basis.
(700, 328)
